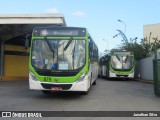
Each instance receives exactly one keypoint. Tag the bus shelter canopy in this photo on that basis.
(14, 27)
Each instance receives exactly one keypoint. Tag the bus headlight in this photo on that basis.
(32, 76)
(81, 78)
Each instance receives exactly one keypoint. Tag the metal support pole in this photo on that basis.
(1, 58)
(124, 25)
(155, 50)
(156, 77)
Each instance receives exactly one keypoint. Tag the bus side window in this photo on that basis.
(106, 60)
(91, 49)
(94, 51)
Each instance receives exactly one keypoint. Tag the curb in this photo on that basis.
(146, 81)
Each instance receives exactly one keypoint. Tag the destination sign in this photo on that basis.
(61, 31)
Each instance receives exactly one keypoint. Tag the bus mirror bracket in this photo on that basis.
(27, 41)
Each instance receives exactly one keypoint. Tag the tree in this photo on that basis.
(141, 50)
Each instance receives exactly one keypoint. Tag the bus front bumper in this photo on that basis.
(75, 86)
(114, 75)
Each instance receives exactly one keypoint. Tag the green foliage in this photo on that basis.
(141, 50)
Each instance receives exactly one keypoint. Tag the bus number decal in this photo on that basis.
(47, 79)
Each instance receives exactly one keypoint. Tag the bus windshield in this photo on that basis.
(120, 62)
(58, 54)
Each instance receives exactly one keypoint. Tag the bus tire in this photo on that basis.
(101, 75)
(85, 92)
(94, 83)
(46, 92)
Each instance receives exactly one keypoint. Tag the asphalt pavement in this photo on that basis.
(107, 95)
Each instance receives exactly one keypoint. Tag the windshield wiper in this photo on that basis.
(69, 42)
(126, 59)
(118, 58)
(49, 44)
(73, 54)
(50, 47)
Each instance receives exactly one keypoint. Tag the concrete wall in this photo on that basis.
(145, 68)
(15, 66)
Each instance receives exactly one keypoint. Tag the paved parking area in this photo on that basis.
(107, 95)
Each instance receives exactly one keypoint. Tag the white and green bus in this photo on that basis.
(62, 59)
(117, 64)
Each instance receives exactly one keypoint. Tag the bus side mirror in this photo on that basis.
(27, 41)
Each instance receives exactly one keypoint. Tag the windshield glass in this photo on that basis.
(58, 54)
(120, 62)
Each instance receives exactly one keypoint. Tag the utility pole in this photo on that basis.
(122, 33)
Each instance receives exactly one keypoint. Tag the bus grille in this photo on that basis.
(63, 86)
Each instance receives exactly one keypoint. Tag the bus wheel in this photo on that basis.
(85, 93)
(46, 92)
(94, 83)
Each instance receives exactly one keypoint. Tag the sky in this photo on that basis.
(100, 17)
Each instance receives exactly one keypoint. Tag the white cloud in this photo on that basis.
(52, 10)
(79, 14)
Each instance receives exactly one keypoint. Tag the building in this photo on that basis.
(13, 31)
(153, 29)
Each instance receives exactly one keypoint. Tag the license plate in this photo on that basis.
(121, 76)
(56, 88)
